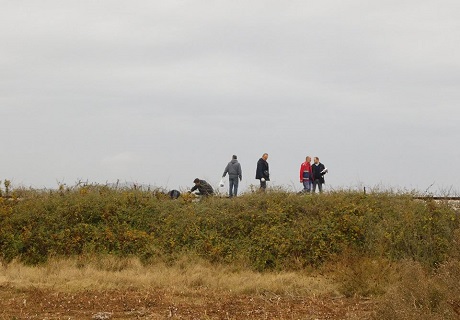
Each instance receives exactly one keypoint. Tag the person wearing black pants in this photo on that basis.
(262, 171)
(318, 171)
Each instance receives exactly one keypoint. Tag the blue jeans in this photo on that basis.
(306, 185)
(233, 186)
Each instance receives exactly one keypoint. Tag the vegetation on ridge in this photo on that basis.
(403, 252)
(276, 230)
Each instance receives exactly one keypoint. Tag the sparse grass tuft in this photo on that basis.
(423, 294)
(361, 276)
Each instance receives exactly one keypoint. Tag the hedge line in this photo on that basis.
(275, 230)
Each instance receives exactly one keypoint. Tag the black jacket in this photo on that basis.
(316, 172)
(262, 170)
(203, 187)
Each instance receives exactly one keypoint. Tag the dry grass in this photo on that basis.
(404, 290)
(365, 277)
(107, 273)
(420, 294)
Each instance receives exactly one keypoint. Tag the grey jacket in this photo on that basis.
(233, 169)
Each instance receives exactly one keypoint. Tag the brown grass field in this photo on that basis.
(110, 288)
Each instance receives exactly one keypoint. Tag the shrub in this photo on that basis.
(275, 230)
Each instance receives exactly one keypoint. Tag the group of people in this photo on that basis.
(311, 176)
(235, 175)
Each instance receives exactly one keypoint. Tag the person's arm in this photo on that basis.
(267, 171)
(259, 170)
(323, 170)
(194, 188)
(225, 171)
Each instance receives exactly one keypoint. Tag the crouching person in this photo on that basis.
(204, 188)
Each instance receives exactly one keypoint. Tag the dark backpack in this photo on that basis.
(174, 194)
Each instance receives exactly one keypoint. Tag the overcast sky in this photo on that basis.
(162, 92)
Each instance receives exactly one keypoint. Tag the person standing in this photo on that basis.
(305, 174)
(234, 171)
(318, 171)
(262, 171)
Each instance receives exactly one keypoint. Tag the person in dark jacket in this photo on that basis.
(262, 171)
(203, 187)
(318, 171)
(233, 169)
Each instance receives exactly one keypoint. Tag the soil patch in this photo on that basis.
(36, 303)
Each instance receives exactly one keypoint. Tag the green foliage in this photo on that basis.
(275, 230)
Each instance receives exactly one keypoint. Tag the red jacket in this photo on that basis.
(306, 166)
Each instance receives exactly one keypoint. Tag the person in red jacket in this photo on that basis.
(305, 174)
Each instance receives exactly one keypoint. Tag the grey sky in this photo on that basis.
(161, 92)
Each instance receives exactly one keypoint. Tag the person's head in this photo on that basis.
(308, 159)
(265, 156)
(234, 157)
(316, 160)
(196, 181)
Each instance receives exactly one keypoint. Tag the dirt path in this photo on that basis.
(158, 304)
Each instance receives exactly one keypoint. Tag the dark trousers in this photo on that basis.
(263, 184)
(319, 184)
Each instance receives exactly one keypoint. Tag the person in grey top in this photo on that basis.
(234, 171)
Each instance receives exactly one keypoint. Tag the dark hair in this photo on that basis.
(196, 180)
(234, 156)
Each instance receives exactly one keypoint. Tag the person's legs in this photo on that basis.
(306, 186)
(320, 187)
(231, 181)
(315, 182)
(263, 185)
(235, 186)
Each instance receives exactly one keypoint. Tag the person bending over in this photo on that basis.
(204, 188)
